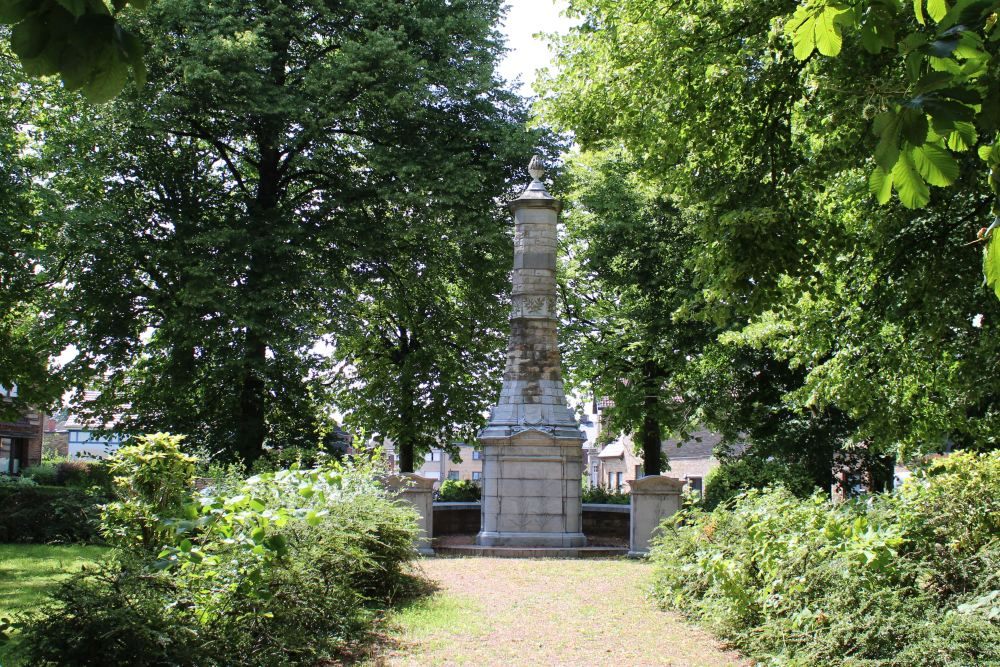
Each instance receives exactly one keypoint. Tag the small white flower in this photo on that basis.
(977, 321)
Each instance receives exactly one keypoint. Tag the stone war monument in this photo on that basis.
(532, 455)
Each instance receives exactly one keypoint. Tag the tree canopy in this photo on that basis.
(838, 321)
(220, 222)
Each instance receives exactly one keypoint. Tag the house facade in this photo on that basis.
(617, 463)
(20, 439)
(71, 434)
(438, 465)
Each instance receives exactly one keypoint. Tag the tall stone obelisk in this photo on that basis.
(532, 456)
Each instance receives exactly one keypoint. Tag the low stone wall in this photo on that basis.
(606, 521)
(599, 521)
(457, 518)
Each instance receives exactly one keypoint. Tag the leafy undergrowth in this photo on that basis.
(295, 567)
(908, 578)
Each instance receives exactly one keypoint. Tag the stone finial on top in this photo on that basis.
(536, 168)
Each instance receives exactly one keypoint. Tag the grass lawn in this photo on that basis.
(542, 612)
(29, 571)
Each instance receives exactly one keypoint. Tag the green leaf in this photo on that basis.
(991, 262)
(963, 137)
(804, 39)
(985, 152)
(257, 505)
(107, 79)
(29, 38)
(828, 38)
(937, 9)
(913, 192)
(886, 125)
(918, 10)
(880, 184)
(914, 126)
(935, 165)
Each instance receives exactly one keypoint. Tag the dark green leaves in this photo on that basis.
(79, 40)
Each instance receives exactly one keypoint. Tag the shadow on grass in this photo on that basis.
(372, 650)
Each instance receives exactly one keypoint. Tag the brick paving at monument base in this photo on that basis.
(545, 612)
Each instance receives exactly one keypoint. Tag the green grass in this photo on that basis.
(29, 571)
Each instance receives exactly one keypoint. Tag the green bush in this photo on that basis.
(84, 474)
(602, 496)
(908, 578)
(35, 514)
(734, 477)
(459, 491)
(290, 568)
(44, 474)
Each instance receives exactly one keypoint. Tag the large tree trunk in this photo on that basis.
(404, 449)
(252, 424)
(652, 456)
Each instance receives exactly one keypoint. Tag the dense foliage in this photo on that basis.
(909, 578)
(285, 568)
(35, 514)
(459, 491)
(735, 476)
(602, 496)
(296, 177)
(830, 322)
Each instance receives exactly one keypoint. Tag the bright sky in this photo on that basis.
(526, 18)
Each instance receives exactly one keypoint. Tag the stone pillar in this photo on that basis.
(532, 455)
(419, 492)
(654, 498)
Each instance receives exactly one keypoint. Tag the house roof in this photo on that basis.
(613, 450)
(699, 446)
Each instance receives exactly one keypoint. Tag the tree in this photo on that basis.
(624, 279)
(28, 240)
(858, 322)
(217, 230)
(420, 338)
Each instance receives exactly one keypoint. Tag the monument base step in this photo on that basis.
(465, 546)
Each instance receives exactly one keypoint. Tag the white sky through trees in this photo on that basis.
(525, 19)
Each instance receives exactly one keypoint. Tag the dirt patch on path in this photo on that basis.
(545, 612)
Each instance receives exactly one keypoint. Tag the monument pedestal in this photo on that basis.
(419, 492)
(531, 496)
(654, 498)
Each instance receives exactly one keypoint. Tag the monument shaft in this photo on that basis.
(532, 456)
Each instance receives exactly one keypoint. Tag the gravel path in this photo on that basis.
(545, 612)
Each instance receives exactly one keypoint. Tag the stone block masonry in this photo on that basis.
(532, 459)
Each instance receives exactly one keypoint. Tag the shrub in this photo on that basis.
(459, 491)
(35, 514)
(16, 482)
(600, 495)
(289, 568)
(83, 474)
(909, 578)
(749, 472)
(45, 474)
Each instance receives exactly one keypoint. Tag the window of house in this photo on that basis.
(477, 455)
(611, 480)
(476, 476)
(453, 474)
(428, 456)
(618, 486)
(6, 455)
(639, 473)
(694, 483)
